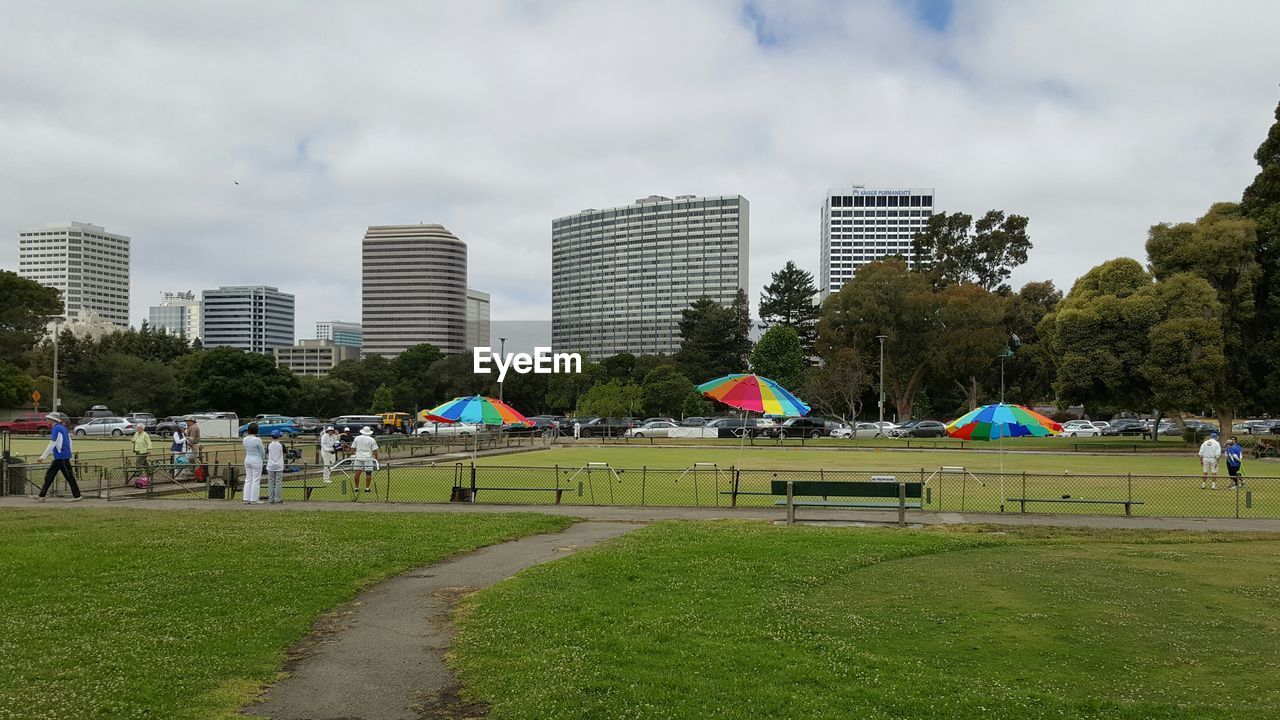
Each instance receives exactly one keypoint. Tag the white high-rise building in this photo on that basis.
(86, 264)
(177, 314)
(862, 225)
(477, 319)
(621, 277)
(342, 333)
(254, 318)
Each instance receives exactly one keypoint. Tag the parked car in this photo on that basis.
(804, 427)
(271, 423)
(1255, 427)
(606, 427)
(397, 422)
(309, 425)
(147, 420)
(919, 429)
(653, 428)
(859, 431)
(1080, 428)
(105, 426)
(1125, 426)
(165, 427)
(695, 421)
(432, 429)
(98, 411)
(27, 424)
(540, 425)
(657, 419)
(740, 427)
(355, 422)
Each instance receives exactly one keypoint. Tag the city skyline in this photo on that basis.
(775, 102)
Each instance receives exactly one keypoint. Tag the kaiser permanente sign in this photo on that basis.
(541, 362)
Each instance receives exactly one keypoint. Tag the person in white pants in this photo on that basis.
(253, 456)
(330, 444)
(275, 469)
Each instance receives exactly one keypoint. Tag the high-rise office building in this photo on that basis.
(862, 225)
(177, 314)
(620, 277)
(86, 264)
(254, 318)
(314, 357)
(477, 319)
(414, 289)
(344, 334)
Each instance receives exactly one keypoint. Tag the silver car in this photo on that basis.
(105, 426)
(654, 428)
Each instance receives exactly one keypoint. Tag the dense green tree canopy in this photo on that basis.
(779, 356)
(665, 390)
(715, 339)
(953, 249)
(232, 380)
(788, 300)
(25, 308)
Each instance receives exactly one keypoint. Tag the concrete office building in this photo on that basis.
(254, 318)
(414, 289)
(346, 334)
(862, 225)
(86, 264)
(177, 314)
(477, 319)
(314, 357)
(620, 277)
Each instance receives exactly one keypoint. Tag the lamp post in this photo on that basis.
(880, 425)
(56, 327)
(502, 352)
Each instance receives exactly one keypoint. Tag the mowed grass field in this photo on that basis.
(133, 614)
(736, 620)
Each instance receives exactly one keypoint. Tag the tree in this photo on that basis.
(788, 301)
(1220, 247)
(25, 308)
(970, 337)
(885, 298)
(664, 391)
(365, 376)
(565, 391)
(233, 380)
(615, 398)
(715, 339)
(619, 366)
(952, 249)
(838, 385)
(780, 357)
(646, 363)
(15, 385)
(383, 400)
(1261, 204)
(324, 397)
(1029, 369)
(413, 385)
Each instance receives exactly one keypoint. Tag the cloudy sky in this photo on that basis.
(1096, 119)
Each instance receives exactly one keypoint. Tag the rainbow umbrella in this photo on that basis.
(475, 410)
(999, 421)
(752, 393)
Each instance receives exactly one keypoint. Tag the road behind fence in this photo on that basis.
(704, 485)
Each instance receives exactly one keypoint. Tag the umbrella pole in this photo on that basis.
(742, 439)
(1001, 473)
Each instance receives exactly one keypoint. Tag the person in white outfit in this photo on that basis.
(577, 430)
(275, 468)
(253, 457)
(1209, 453)
(365, 459)
(330, 446)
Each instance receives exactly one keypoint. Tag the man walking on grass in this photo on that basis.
(1235, 458)
(1209, 453)
(60, 446)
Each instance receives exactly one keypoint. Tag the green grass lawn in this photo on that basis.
(122, 614)
(685, 620)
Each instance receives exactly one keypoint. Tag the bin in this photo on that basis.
(15, 477)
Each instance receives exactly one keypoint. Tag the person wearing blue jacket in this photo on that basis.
(60, 447)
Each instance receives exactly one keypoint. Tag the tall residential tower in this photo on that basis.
(414, 289)
(620, 277)
(862, 225)
(86, 264)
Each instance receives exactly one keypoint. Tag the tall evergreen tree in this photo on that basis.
(715, 339)
(788, 301)
(1261, 204)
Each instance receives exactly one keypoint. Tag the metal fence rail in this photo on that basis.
(702, 485)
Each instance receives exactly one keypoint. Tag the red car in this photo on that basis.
(27, 424)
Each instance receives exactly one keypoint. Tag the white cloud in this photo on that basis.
(1096, 120)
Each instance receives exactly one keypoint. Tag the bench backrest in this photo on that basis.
(838, 488)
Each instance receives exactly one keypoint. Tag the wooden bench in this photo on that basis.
(899, 491)
(559, 491)
(1128, 504)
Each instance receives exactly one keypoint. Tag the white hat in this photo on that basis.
(365, 430)
(328, 428)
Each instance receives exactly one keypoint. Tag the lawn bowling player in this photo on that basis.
(1210, 451)
(330, 447)
(365, 459)
(1235, 458)
(60, 447)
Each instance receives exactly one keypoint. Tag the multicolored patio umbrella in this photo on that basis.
(753, 393)
(999, 421)
(992, 422)
(475, 410)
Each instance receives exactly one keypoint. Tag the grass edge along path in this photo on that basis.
(187, 614)
(740, 620)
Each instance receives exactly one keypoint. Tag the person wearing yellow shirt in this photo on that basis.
(142, 448)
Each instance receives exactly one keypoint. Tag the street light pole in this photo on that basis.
(502, 352)
(54, 400)
(880, 425)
